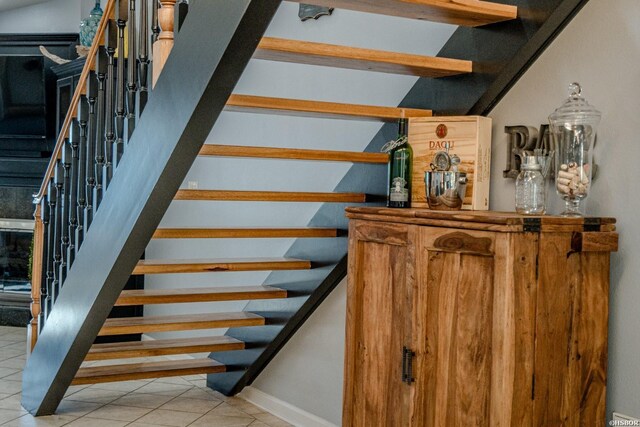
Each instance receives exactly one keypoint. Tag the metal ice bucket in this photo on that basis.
(445, 190)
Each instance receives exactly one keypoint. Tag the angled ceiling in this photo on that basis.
(15, 4)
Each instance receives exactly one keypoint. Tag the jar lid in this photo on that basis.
(530, 163)
(576, 109)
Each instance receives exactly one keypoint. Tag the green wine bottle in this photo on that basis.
(400, 159)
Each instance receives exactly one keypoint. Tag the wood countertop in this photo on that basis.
(485, 220)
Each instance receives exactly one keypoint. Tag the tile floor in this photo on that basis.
(177, 402)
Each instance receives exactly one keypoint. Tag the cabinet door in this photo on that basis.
(452, 331)
(378, 324)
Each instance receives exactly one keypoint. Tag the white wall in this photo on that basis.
(600, 49)
(54, 16)
(308, 372)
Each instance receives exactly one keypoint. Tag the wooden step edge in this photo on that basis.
(470, 13)
(478, 12)
(153, 348)
(138, 371)
(321, 109)
(188, 295)
(243, 233)
(292, 154)
(212, 266)
(311, 53)
(270, 196)
(141, 325)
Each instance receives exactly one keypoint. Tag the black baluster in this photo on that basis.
(74, 142)
(132, 71)
(122, 14)
(101, 67)
(111, 37)
(66, 202)
(44, 216)
(143, 57)
(83, 115)
(92, 97)
(155, 27)
(57, 238)
(51, 234)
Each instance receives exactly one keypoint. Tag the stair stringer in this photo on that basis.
(168, 137)
(501, 53)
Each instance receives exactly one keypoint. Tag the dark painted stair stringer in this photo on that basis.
(501, 53)
(210, 53)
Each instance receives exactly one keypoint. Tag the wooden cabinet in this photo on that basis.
(476, 318)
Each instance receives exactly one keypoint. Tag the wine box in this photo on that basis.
(467, 136)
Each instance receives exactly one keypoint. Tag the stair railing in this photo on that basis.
(85, 283)
(111, 94)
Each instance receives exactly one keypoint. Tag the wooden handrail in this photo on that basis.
(80, 89)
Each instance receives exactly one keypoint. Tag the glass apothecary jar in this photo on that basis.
(573, 130)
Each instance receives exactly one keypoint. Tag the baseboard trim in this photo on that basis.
(291, 414)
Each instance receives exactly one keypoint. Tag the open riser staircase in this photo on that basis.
(136, 126)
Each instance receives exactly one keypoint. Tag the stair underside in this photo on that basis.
(137, 371)
(165, 266)
(166, 347)
(241, 233)
(292, 154)
(303, 52)
(320, 109)
(182, 322)
(269, 196)
(458, 12)
(187, 295)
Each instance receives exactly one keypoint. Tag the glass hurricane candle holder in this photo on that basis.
(573, 129)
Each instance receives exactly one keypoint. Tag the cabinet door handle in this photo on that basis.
(407, 365)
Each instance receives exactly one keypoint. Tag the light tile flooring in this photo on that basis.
(177, 402)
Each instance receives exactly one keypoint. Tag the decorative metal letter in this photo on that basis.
(521, 139)
(309, 11)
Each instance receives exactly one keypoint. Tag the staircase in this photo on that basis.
(125, 150)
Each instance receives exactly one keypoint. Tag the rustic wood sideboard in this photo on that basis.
(476, 318)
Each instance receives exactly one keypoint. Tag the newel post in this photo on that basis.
(36, 279)
(162, 47)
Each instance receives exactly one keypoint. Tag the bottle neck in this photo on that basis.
(403, 127)
(96, 8)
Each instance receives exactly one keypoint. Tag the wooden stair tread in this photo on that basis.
(270, 196)
(304, 52)
(160, 266)
(293, 154)
(457, 12)
(179, 322)
(305, 108)
(231, 293)
(136, 371)
(248, 232)
(151, 348)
